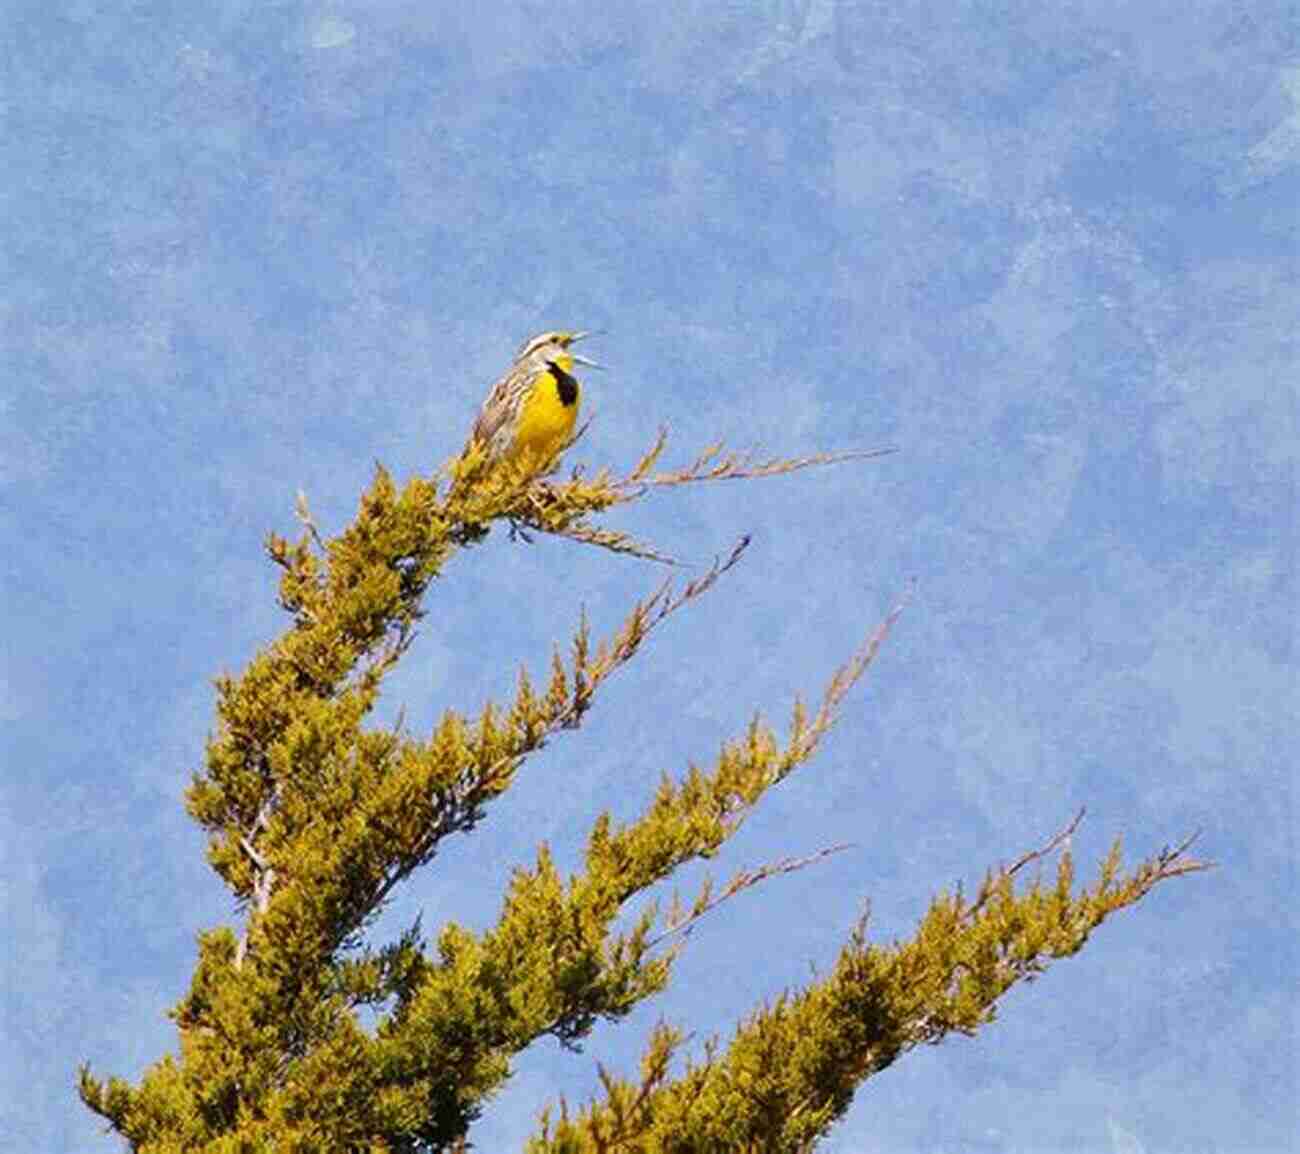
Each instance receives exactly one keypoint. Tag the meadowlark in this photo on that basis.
(530, 413)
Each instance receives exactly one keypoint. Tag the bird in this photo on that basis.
(529, 414)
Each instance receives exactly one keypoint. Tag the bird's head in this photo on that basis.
(554, 346)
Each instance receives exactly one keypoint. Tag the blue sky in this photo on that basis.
(1049, 251)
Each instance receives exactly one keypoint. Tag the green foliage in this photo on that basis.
(792, 1068)
(313, 816)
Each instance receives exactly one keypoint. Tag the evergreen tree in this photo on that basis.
(314, 816)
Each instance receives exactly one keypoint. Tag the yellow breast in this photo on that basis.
(548, 415)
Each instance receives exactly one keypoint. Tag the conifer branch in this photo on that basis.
(1062, 837)
(792, 1068)
(715, 463)
(564, 708)
(561, 507)
(313, 818)
(556, 966)
(1169, 862)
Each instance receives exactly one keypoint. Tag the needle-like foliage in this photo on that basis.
(314, 815)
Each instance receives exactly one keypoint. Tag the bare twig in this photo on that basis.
(612, 541)
(714, 465)
(1171, 862)
(684, 923)
(303, 512)
(264, 873)
(849, 673)
(1059, 838)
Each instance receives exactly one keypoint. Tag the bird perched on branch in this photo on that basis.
(531, 411)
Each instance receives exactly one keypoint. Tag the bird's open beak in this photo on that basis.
(577, 360)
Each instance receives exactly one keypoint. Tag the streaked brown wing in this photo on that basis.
(501, 406)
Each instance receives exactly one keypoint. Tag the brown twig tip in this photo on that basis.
(302, 511)
(684, 922)
(737, 551)
(1172, 861)
(1058, 839)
